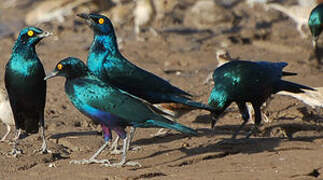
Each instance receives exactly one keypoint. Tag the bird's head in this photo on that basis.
(69, 67)
(30, 36)
(100, 24)
(315, 23)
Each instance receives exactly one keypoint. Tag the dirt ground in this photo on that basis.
(289, 147)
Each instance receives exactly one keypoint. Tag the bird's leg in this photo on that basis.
(16, 151)
(131, 135)
(266, 105)
(43, 149)
(257, 120)
(245, 116)
(7, 133)
(153, 31)
(93, 159)
(114, 147)
(123, 161)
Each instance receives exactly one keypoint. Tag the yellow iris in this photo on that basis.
(101, 21)
(59, 66)
(30, 33)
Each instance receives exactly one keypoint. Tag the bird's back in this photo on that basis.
(139, 82)
(246, 80)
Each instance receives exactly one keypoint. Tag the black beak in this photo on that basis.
(87, 18)
(51, 75)
(83, 16)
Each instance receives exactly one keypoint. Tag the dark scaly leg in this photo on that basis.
(257, 110)
(243, 109)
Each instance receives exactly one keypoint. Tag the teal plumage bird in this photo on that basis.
(109, 65)
(246, 81)
(109, 106)
(315, 23)
(24, 81)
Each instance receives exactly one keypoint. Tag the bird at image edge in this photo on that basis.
(246, 81)
(24, 81)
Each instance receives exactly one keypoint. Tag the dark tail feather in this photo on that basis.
(292, 87)
(285, 73)
(191, 103)
(172, 125)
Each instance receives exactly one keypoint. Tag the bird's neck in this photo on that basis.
(105, 43)
(26, 51)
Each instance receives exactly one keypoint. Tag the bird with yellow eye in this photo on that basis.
(26, 88)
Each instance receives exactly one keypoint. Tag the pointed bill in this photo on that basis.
(51, 75)
(44, 34)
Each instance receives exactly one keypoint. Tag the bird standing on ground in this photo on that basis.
(24, 81)
(246, 81)
(108, 64)
(109, 106)
(6, 115)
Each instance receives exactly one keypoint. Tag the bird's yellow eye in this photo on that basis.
(30, 33)
(59, 66)
(101, 21)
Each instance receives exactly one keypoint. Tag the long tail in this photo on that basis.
(291, 87)
(171, 125)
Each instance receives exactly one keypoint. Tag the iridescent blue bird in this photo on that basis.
(315, 23)
(109, 65)
(24, 81)
(109, 106)
(246, 81)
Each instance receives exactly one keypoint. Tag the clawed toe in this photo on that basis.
(116, 151)
(135, 148)
(15, 153)
(122, 164)
(42, 151)
(90, 161)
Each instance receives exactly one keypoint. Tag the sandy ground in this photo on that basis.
(290, 146)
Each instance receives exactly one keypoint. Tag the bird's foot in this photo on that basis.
(91, 161)
(135, 148)
(254, 132)
(161, 132)
(43, 150)
(118, 151)
(15, 153)
(123, 164)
